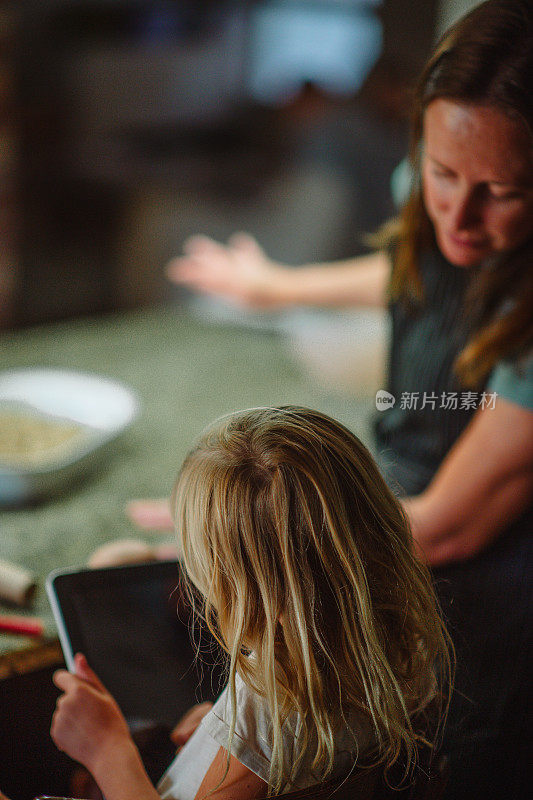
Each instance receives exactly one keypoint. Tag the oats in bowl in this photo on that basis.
(29, 439)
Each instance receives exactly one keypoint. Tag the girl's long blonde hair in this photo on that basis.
(304, 563)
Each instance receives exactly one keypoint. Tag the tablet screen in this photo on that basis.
(132, 624)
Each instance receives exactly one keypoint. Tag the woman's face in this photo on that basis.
(477, 174)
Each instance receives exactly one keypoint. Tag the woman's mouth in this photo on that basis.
(466, 242)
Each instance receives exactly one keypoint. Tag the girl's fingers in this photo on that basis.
(189, 722)
(84, 672)
(63, 679)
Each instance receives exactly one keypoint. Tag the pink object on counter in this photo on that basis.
(26, 626)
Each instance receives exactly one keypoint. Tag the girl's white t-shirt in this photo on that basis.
(251, 745)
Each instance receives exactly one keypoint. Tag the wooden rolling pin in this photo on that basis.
(17, 585)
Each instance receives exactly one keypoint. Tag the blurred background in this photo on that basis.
(126, 125)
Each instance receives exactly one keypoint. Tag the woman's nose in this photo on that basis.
(465, 210)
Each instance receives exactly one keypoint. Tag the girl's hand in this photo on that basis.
(189, 722)
(239, 271)
(87, 723)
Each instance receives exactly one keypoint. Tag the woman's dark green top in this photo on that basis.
(487, 600)
(431, 408)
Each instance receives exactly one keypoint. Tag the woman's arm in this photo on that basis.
(483, 485)
(242, 272)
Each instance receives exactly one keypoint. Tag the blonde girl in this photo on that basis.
(300, 561)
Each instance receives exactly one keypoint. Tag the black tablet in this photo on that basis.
(132, 623)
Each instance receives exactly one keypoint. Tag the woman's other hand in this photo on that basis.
(483, 485)
(239, 271)
(151, 514)
(87, 723)
(189, 722)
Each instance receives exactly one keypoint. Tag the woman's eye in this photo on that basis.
(442, 173)
(514, 195)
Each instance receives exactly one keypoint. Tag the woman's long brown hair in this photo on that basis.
(485, 58)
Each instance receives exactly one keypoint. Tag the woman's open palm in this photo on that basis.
(238, 271)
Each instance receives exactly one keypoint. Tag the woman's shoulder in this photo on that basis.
(512, 379)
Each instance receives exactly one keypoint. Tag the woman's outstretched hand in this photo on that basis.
(238, 271)
(242, 272)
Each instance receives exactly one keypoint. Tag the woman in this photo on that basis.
(457, 276)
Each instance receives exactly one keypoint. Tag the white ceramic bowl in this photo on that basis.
(103, 407)
(342, 351)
